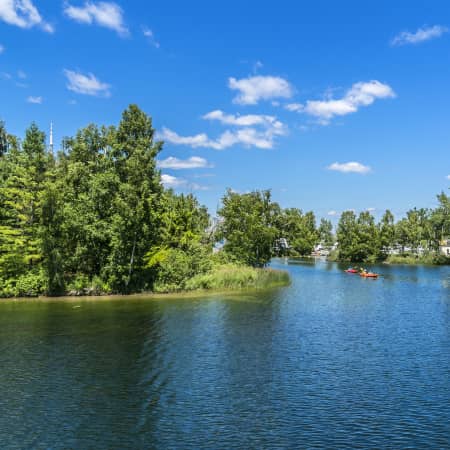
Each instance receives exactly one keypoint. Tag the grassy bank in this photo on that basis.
(220, 278)
(407, 258)
(238, 277)
(229, 277)
(418, 260)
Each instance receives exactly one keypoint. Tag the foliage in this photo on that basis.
(248, 226)
(299, 229)
(416, 237)
(232, 276)
(95, 218)
(176, 266)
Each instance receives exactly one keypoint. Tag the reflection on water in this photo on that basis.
(333, 361)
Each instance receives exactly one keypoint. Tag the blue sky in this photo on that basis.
(332, 105)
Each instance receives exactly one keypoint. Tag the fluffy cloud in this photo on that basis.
(104, 14)
(256, 88)
(349, 167)
(360, 94)
(294, 107)
(150, 37)
(245, 120)
(35, 100)
(170, 181)
(194, 162)
(253, 130)
(86, 84)
(448, 177)
(249, 137)
(23, 14)
(421, 35)
(332, 213)
(198, 140)
(2, 49)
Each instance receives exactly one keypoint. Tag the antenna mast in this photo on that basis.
(51, 137)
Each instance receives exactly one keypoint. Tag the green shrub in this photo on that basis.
(79, 282)
(233, 276)
(30, 284)
(175, 267)
(411, 258)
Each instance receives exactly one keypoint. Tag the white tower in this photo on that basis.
(51, 137)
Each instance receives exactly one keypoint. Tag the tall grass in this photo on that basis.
(430, 259)
(231, 276)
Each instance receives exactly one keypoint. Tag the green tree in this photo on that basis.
(23, 172)
(347, 236)
(248, 226)
(386, 233)
(299, 229)
(135, 223)
(325, 232)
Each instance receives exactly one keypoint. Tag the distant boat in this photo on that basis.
(368, 275)
(351, 270)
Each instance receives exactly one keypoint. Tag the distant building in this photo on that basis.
(281, 245)
(444, 247)
(323, 250)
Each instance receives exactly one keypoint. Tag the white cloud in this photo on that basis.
(150, 37)
(294, 107)
(194, 162)
(23, 14)
(21, 74)
(448, 177)
(2, 49)
(245, 120)
(170, 181)
(332, 213)
(421, 35)
(35, 100)
(104, 14)
(349, 167)
(86, 84)
(199, 140)
(256, 88)
(371, 209)
(360, 94)
(249, 137)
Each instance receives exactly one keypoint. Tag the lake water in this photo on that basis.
(333, 361)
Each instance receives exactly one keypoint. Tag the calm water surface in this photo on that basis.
(333, 361)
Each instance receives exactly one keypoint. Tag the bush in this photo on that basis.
(410, 258)
(31, 284)
(79, 283)
(175, 267)
(333, 256)
(233, 276)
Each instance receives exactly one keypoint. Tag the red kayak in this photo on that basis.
(351, 271)
(369, 275)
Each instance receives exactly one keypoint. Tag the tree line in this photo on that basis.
(96, 216)
(420, 232)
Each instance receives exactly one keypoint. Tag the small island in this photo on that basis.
(96, 219)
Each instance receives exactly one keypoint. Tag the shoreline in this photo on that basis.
(197, 293)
